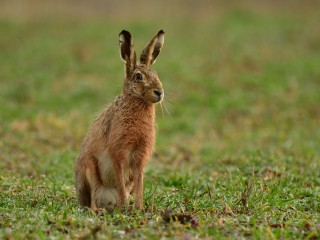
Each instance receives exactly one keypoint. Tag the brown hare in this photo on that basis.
(121, 140)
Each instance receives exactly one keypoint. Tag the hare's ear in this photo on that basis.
(152, 50)
(127, 51)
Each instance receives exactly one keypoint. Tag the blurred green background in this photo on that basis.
(242, 84)
(238, 76)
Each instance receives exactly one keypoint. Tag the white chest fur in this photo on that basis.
(107, 172)
(106, 169)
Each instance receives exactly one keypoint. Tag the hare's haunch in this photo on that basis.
(121, 140)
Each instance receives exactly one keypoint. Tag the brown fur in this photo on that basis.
(121, 140)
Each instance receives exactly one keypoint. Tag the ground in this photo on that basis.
(238, 137)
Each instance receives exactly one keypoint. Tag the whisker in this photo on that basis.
(172, 94)
(161, 109)
(171, 98)
(169, 104)
(166, 109)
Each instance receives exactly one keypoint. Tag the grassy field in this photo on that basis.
(237, 153)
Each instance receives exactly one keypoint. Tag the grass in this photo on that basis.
(237, 155)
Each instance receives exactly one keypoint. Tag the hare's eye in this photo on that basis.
(139, 76)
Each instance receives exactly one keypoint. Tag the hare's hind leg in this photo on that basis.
(94, 182)
(82, 189)
(106, 198)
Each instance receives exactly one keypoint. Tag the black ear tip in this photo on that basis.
(125, 33)
(161, 32)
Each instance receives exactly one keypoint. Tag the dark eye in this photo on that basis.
(139, 76)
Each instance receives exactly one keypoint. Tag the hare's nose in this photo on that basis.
(158, 92)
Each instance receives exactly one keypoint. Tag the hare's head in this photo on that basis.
(142, 82)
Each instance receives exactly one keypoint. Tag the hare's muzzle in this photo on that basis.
(159, 94)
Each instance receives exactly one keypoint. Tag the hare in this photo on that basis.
(121, 140)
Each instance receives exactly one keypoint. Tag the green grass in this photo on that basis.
(239, 149)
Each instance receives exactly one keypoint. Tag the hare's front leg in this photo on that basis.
(138, 184)
(138, 188)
